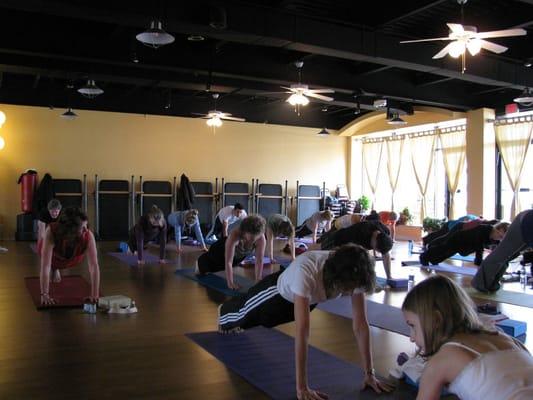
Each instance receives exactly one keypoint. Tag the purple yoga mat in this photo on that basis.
(306, 240)
(379, 315)
(265, 358)
(442, 268)
(131, 259)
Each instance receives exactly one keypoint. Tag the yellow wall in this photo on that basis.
(117, 145)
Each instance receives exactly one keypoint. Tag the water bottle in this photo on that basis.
(523, 277)
(410, 282)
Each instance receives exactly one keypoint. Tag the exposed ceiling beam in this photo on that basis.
(307, 35)
(414, 12)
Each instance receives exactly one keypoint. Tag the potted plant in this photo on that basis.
(405, 217)
(364, 203)
(432, 224)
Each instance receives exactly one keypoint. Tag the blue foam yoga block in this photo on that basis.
(512, 327)
(397, 282)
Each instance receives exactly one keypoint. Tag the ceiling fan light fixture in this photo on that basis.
(155, 36)
(473, 46)
(525, 98)
(69, 115)
(323, 133)
(298, 99)
(90, 90)
(457, 48)
(214, 122)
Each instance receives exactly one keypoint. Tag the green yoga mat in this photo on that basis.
(503, 296)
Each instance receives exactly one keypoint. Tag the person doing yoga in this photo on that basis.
(150, 226)
(65, 244)
(46, 216)
(465, 242)
(471, 360)
(186, 219)
(247, 237)
(279, 225)
(226, 217)
(316, 224)
(290, 295)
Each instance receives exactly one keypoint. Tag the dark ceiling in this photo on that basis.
(48, 46)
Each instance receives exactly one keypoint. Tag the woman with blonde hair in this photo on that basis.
(150, 226)
(189, 219)
(316, 224)
(473, 361)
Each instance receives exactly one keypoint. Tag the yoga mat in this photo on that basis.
(131, 259)
(380, 315)
(217, 281)
(463, 258)
(265, 358)
(70, 292)
(503, 296)
(442, 268)
(306, 240)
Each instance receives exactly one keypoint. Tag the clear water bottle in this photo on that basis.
(410, 282)
(523, 277)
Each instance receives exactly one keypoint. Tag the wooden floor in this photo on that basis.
(65, 354)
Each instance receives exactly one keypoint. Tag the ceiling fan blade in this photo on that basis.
(502, 33)
(443, 52)
(199, 114)
(426, 40)
(320, 91)
(288, 88)
(262, 93)
(496, 48)
(319, 96)
(234, 119)
(456, 28)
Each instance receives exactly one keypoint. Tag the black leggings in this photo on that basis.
(261, 305)
(214, 260)
(302, 231)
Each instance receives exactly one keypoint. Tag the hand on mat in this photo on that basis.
(205, 248)
(46, 300)
(376, 384)
(140, 262)
(162, 261)
(309, 394)
(233, 285)
(178, 249)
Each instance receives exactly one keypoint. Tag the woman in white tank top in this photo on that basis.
(474, 362)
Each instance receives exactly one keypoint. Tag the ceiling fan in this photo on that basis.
(215, 117)
(466, 37)
(300, 92)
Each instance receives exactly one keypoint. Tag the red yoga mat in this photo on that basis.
(70, 292)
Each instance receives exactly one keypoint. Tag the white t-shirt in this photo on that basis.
(304, 278)
(226, 214)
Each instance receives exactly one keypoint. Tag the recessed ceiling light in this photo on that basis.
(528, 64)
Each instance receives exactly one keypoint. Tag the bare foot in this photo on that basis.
(57, 276)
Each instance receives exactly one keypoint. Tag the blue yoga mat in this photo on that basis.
(379, 315)
(442, 268)
(463, 258)
(131, 259)
(217, 281)
(265, 358)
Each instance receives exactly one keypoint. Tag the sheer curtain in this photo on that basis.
(422, 153)
(453, 153)
(372, 161)
(394, 163)
(513, 141)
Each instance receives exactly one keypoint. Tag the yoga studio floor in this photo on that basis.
(66, 354)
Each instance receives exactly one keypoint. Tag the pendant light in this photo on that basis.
(525, 98)
(155, 36)
(90, 90)
(69, 115)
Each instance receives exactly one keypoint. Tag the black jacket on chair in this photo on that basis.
(185, 194)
